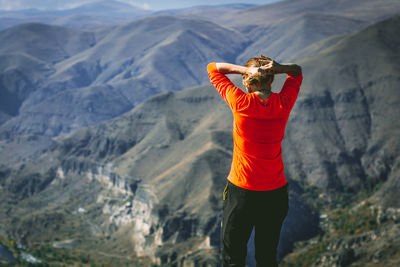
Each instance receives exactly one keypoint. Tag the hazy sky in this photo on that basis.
(148, 4)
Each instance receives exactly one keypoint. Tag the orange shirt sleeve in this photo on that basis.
(290, 90)
(229, 92)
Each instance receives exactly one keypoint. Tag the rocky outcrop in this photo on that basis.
(372, 247)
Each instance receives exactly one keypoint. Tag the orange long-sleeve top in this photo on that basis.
(258, 130)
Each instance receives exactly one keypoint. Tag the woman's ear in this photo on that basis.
(272, 79)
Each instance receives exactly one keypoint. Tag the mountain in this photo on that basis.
(367, 64)
(88, 15)
(19, 73)
(283, 29)
(150, 181)
(204, 12)
(118, 66)
(27, 61)
(105, 8)
(50, 44)
(288, 38)
(275, 13)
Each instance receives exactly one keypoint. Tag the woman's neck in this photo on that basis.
(263, 94)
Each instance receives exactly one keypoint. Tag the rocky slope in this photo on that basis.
(358, 107)
(360, 221)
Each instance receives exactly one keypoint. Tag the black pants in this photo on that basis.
(244, 209)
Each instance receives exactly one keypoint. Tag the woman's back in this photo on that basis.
(258, 131)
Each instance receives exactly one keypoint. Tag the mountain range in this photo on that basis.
(100, 146)
(118, 67)
(125, 59)
(87, 15)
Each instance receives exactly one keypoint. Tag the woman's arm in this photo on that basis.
(227, 68)
(271, 67)
(289, 68)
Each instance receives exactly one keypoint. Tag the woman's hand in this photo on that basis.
(271, 67)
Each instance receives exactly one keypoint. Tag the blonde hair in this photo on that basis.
(258, 77)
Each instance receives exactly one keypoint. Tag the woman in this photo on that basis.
(256, 194)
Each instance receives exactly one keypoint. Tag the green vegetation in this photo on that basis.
(308, 257)
(342, 223)
(47, 253)
(348, 197)
(49, 256)
(343, 220)
(311, 196)
(346, 222)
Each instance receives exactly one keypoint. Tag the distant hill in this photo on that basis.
(128, 62)
(47, 43)
(19, 73)
(282, 29)
(105, 8)
(288, 38)
(205, 12)
(155, 174)
(28, 57)
(275, 13)
(101, 13)
(88, 15)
